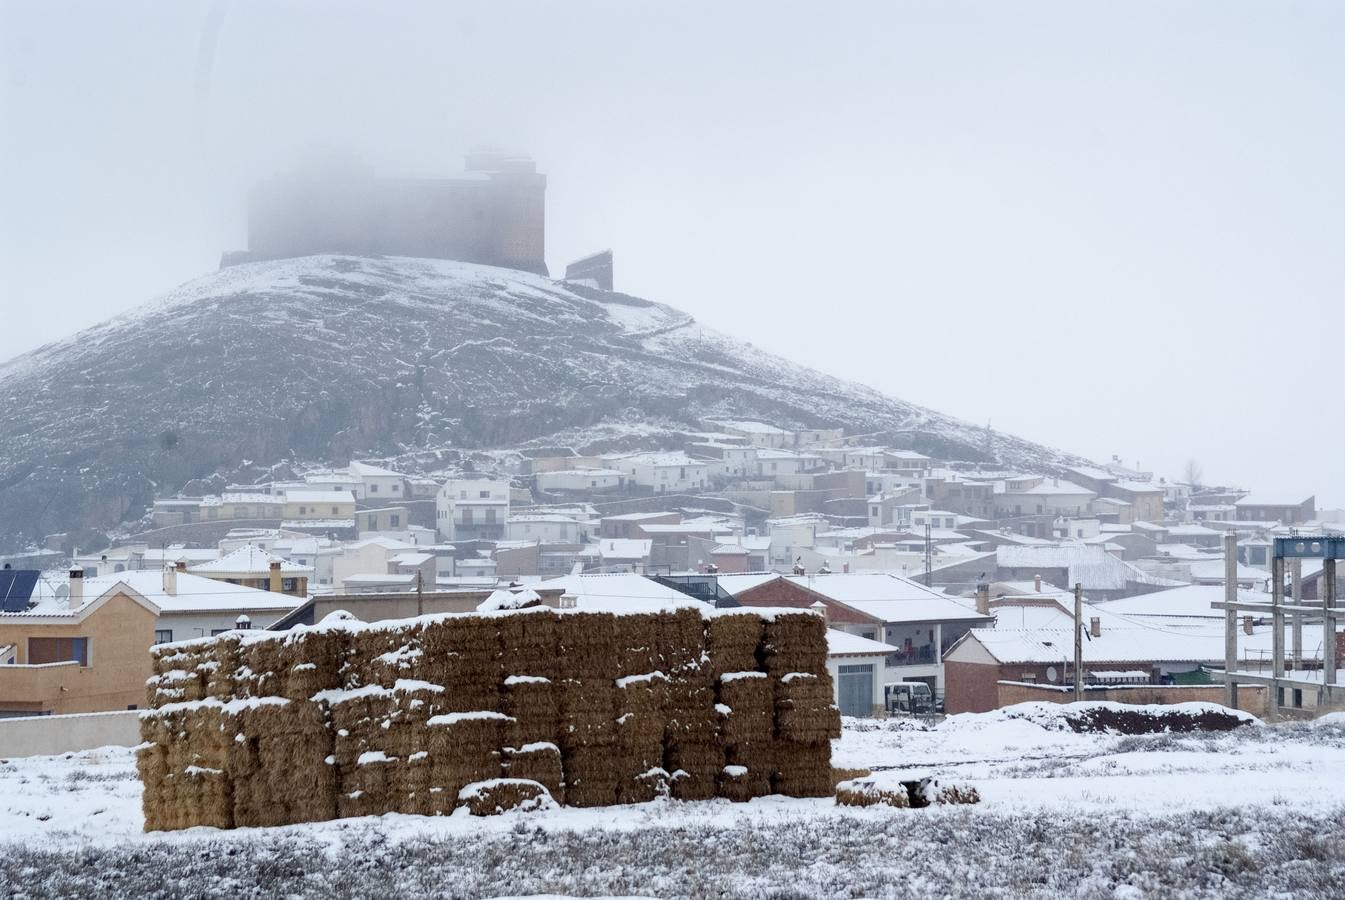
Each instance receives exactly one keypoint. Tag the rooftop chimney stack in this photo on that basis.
(170, 580)
(1036, 584)
(1246, 624)
(275, 585)
(820, 607)
(983, 598)
(1095, 627)
(76, 598)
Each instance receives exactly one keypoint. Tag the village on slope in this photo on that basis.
(947, 587)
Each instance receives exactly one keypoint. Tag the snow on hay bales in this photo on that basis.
(593, 709)
(903, 789)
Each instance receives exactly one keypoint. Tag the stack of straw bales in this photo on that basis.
(489, 711)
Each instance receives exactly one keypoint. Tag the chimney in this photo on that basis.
(1246, 624)
(820, 607)
(180, 565)
(1036, 584)
(983, 598)
(568, 601)
(275, 584)
(243, 623)
(76, 598)
(1095, 627)
(170, 580)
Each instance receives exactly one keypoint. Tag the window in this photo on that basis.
(303, 510)
(289, 584)
(396, 488)
(467, 516)
(490, 517)
(335, 510)
(373, 488)
(394, 521)
(163, 636)
(57, 650)
(485, 495)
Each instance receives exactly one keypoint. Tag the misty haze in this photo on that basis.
(609, 449)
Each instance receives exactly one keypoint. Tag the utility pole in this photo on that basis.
(929, 553)
(420, 592)
(1078, 641)
(1230, 619)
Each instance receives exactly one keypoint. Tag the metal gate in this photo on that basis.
(855, 690)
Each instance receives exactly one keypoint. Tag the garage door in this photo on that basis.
(856, 690)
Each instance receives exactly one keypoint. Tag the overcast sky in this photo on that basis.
(1113, 228)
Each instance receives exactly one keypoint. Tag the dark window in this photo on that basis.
(57, 650)
(163, 636)
(485, 495)
(395, 521)
(289, 584)
(373, 489)
(217, 631)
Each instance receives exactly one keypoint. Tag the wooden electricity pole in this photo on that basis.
(420, 595)
(1078, 641)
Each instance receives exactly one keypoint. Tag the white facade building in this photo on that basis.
(471, 508)
(664, 473)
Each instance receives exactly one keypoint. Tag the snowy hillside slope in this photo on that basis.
(327, 357)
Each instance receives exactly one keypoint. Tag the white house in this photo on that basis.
(664, 473)
(858, 671)
(580, 480)
(549, 528)
(377, 483)
(775, 463)
(472, 508)
(1043, 496)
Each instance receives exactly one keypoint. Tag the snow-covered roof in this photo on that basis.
(1093, 567)
(661, 460)
(842, 643)
(749, 427)
(368, 470)
(887, 597)
(1054, 486)
(1271, 500)
(619, 592)
(193, 593)
(249, 560)
(1191, 601)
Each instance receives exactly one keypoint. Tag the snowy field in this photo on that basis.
(1253, 812)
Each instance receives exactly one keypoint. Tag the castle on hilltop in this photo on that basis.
(494, 214)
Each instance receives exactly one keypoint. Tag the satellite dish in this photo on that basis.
(1051, 673)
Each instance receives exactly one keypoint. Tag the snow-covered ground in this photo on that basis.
(1251, 812)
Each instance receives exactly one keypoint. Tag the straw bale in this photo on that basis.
(803, 769)
(733, 642)
(385, 655)
(794, 642)
(587, 711)
(740, 783)
(315, 661)
(540, 762)
(866, 793)
(691, 713)
(528, 641)
(635, 644)
(643, 693)
(693, 768)
(498, 795)
(590, 779)
(586, 646)
(222, 666)
(460, 651)
(805, 708)
(746, 707)
(262, 658)
(645, 784)
(365, 787)
(184, 657)
(174, 686)
(680, 641)
(531, 701)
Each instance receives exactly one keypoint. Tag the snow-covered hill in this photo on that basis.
(327, 357)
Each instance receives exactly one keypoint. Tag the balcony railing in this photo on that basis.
(923, 655)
